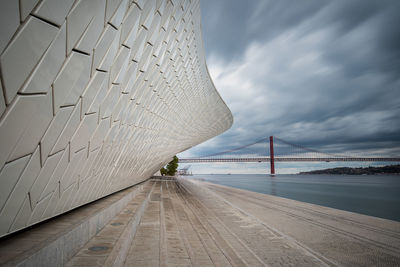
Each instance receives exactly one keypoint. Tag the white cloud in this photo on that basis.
(314, 82)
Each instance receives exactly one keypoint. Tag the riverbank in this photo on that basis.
(389, 169)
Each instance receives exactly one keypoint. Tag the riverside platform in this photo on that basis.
(181, 222)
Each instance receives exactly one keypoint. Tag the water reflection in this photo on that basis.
(272, 184)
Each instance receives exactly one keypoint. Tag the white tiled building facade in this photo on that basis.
(96, 96)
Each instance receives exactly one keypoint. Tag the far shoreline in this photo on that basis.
(384, 170)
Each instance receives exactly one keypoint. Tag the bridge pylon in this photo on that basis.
(271, 155)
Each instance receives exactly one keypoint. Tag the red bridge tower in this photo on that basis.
(271, 155)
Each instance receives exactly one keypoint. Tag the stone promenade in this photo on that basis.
(190, 223)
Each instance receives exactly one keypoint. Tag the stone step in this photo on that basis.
(56, 241)
(109, 247)
(145, 247)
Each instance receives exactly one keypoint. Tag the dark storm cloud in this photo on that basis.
(318, 73)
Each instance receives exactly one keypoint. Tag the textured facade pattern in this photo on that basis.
(97, 96)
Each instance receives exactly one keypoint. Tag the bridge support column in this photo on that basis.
(271, 155)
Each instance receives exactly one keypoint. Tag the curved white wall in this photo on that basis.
(97, 96)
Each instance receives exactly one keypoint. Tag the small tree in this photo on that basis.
(163, 171)
(172, 166)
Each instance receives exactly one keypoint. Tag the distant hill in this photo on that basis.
(389, 169)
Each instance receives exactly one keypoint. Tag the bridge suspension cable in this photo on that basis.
(283, 151)
(234, 149)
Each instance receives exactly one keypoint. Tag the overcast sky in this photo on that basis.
(324, 74)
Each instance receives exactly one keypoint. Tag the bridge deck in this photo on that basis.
(191, 223)
(290, 159)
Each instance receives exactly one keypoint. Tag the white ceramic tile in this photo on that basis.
(110, 100)
(22, 217)
(106, 39)
(54, 10)
(62, 200)
(69, 129)
(68, 200)
(48, 66)
(54, 131)
(2, 103)
(112, 6)
(69, 176)
(130, 77)
(78, 20)
(79, 169)
(39, 210)
(92, 89)
(109, 57)
(23, 53)
(99, 98)
(140, 3)
(119, 14)
(71, 80)
(92, 33)
(20, 191)
(43, 178)
(57, 173)
(161, 6)
(84, 132)
(120, 65)
(122, 103)
(138, 45)
(165, 18)
(34, 126)
(25, 7)
(130, 26)
(9, 176)
(147, 13)
(49, 211)
(149, 20)
(99, 134)
(87, 170)
(16, 127)
(146, 57)
(154, 30)
(9, 21)
(111, 133)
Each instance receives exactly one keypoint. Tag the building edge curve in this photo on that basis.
(96, 97)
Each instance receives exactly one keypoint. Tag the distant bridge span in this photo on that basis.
(286, 159)
(293, 153)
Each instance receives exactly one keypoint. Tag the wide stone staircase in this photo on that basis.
(157, 223)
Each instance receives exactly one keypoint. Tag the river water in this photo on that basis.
(375, 195)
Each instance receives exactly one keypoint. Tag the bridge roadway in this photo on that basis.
(287, 159)
(191, 223)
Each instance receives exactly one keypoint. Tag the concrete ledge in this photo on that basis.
(54, 242)
(121, 249)
(163, 177)
(111, 245)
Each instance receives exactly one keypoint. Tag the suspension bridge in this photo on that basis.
(273, 149)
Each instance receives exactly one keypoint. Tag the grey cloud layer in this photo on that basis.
(314, 72)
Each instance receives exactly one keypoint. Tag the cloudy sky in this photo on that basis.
(324, 74)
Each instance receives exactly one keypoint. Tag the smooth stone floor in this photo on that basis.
(330, 236)
(190, 223)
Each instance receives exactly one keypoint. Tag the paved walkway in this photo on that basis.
(186, 223)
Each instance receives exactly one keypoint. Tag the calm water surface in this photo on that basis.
(375, 195)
